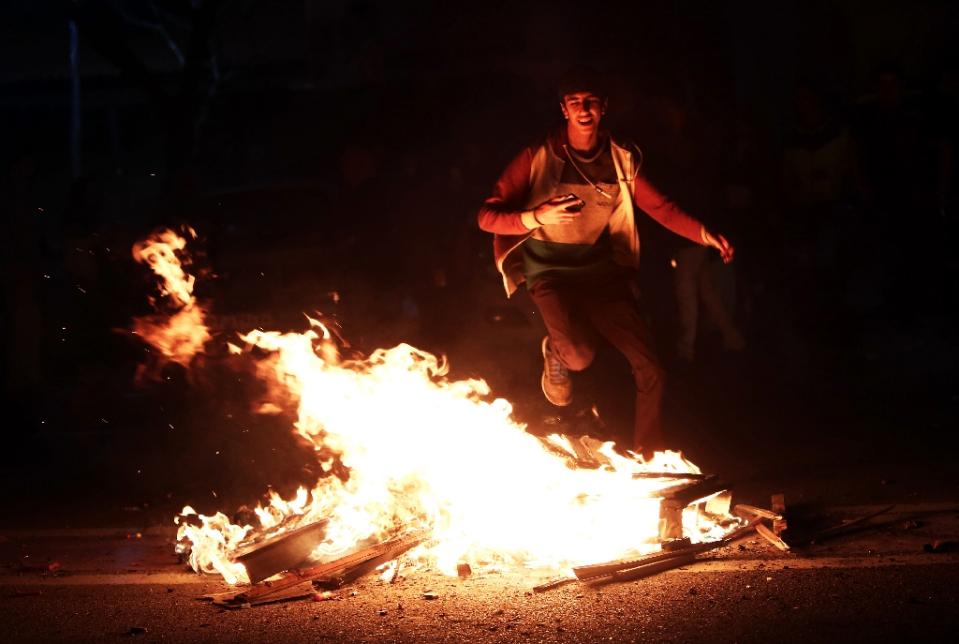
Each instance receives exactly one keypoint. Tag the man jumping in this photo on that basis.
(562, 215)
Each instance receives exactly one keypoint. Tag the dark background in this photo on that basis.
(344, 147)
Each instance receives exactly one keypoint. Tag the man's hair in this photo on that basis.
(582, 78)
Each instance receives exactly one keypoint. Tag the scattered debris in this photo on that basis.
(676, 544)
(646, 570)
(299, 583)
(430, 595)
(463, 570)
(848, 526)
(676, 557)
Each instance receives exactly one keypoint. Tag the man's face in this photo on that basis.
(583, 110)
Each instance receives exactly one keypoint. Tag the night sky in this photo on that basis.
(344, 147)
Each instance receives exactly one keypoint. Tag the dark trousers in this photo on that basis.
(577, 315)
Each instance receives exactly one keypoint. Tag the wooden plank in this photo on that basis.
(553, 583)
(282, 552)
(339, 571)
(771, 537)
(695, 490)
(743, 508)
(584, 573)
(777, 503)
(597, 570)
(646, 570)
(828, 533)
(299, 591)
(688, 476)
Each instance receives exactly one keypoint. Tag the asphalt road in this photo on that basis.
(874, 585)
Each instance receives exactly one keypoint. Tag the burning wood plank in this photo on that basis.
(694, 490)
(340, 571)
(677, 498)
(283, 552)
(743, 508)
(689, 476)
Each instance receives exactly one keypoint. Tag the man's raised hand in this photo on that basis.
(558, 210)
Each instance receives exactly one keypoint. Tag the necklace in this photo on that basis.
(583, 175)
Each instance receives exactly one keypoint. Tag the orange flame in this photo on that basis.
(180, 335)
(426, 452)
(422, 451)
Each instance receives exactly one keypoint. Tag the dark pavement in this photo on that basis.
(876, 585)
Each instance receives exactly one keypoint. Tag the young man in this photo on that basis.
(562, 215)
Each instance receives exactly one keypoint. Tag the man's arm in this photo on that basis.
(499, 212)
(673, 218)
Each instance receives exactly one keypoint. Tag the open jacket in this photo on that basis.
(531, 178)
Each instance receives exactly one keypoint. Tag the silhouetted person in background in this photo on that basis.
(902, 155)
(821, 184)
(682, 167)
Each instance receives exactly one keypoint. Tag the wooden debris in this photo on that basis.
(585, 573)
(742, 508)
(340, 571)
(777, 503)
(676, 499)
(671, 520)
(238, 600)
(718, 505)
(220, 597)
(771, 537)
(694, 490)
(553, 583)
(843, 528)
(689, 476)
(283, 552)
(676, 544)
(646, 570)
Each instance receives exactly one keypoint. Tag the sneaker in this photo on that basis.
(556, 383)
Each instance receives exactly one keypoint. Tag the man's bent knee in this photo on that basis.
(649, 377)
